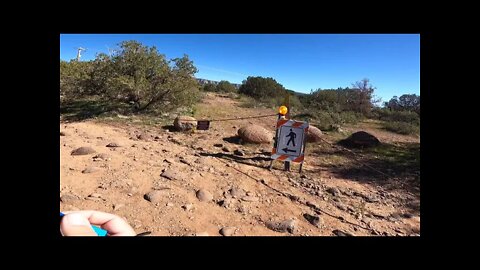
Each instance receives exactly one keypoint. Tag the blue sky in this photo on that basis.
(300, 62)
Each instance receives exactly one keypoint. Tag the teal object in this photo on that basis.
(99, 231)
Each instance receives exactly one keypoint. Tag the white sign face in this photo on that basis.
(290, 141)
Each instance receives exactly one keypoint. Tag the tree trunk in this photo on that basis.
(153, 100)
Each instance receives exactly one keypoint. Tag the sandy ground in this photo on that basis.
(119, 182)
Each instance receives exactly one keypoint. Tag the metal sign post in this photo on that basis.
(304, 146)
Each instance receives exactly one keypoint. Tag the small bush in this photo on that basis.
(325, 120)
(350, 117)
(225, 87)
(295, 103)
(402, 128)
(209, 87)
(266, 102)
(397, 116)
(233, 95)
(259, 87)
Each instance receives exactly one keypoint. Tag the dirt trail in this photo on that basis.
(135, 168)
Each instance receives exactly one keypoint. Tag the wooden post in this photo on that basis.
(304, 148)
(287, 116)
(275, 141)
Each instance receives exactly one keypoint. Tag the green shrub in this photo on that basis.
(137, 75)
(74, 79)
(225, 87)
(350, 117)
(402, 128)
(209, 87)
(295, 103)
(259, 87)
(325, 120)
(397, 116)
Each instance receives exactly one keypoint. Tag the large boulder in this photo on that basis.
(314, 134)
(255, 134)
(184, 123)
(360, 139)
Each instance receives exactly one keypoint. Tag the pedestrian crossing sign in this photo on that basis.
(290, 142)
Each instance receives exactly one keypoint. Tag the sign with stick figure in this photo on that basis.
(290, 140)
(292, 136)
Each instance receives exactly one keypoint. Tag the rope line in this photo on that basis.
(229, 119)
(241, 118)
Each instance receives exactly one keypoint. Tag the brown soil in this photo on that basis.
(194, 162)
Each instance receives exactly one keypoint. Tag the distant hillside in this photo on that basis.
(297, 93)
(205, 81)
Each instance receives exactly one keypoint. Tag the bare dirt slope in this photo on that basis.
(117, 182)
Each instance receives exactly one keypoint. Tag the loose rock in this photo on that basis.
(68, 198)
(143, 137)
(90, 170)
(333, 190)
(204, 196)
(169, 174)
(250, 199)
(313, 219)
(113, 144)
(156, 196)
(187, 207)
(101, 156)
(342, 233)
(238, 152)
(227, 203)
(85, 150)
(237, 192)
(227, 231)
(282, 226)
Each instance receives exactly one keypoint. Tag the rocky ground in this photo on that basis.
(206, 183)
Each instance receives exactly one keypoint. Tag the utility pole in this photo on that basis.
(79, 50)
(110, 51)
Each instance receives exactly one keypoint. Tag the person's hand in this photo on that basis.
(78, 223)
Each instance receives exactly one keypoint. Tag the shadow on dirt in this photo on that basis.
(170, 128)
(259, 162)
(400, 162)
(233, 139)
(80, 110)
